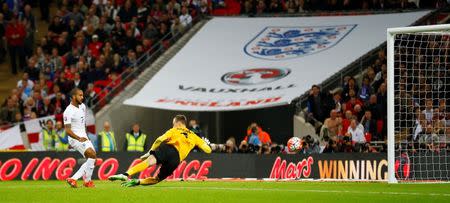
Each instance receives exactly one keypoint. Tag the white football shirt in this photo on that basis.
(76, 117)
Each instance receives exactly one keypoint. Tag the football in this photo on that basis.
(294, 144)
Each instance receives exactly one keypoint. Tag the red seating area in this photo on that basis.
(232, 8)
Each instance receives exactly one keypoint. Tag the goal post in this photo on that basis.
(405, 49)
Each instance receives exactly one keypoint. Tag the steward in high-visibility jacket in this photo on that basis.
(107, 141)
(48, 139)
(135, 140)
(61, 141)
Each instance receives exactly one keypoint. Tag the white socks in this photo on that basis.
(86, 169)
(90, 164)
(80, 172)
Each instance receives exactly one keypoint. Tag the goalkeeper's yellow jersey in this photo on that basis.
(183, 140)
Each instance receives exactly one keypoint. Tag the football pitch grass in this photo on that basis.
(214, 192)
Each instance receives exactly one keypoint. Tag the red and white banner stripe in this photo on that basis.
(11, 139)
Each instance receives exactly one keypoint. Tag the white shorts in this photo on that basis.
(81, 146)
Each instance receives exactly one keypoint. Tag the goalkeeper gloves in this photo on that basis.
(146, 155)
(206, 140)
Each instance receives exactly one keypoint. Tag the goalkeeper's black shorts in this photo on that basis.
(169, 158)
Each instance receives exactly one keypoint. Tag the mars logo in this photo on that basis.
(278, 43)
(254, 76)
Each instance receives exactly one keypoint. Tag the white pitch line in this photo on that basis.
(258, 189)
(303, 190)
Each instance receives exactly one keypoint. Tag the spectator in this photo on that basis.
(356, 132)
(330, 147)
(185, 17)
(194, 127)
(107, 141)
(263, 136)
(64, 84)
(176, 27)
(317, 103)
(292, 6)
(76, 16)
(380, 77)
(25, 86)
(8, 112)
(253, 139)
(61, 138)
(442, 111)
(370, 126)
(27, 18)
(47, 137)
(230, 145)
(32, 70)
(366, 90)
(15, 35)
(59, 103)
(47, 108)
(346, 122)
(428, 111)
(56, 28)
(358, 111)
(136, 141)
(78, 83)
(90, 97)
(95, 46)
(351, 85)
(275, 6)
(18, 118)
(337, 102)
(260, 7)
(374, 107)
(331, 126)
(266, 149)
(205, 9)
(127, 12)
(92, 19)
(352, 102)
(38, 102)
(427, 138)
(55, 62)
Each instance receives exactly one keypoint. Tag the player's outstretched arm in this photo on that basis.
(156, 144)
(204, 144)
(158, 141)
(72, 134)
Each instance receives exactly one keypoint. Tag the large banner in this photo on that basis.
(248, 63)
(51, 165)
(11, 138)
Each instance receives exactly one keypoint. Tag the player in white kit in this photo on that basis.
(75, 125)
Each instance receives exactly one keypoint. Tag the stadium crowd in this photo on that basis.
(88, 44)
(423, 75)
(261, 7)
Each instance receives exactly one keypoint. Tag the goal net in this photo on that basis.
(418, 103)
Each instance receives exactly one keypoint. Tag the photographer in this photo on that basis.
(331, 146)
(310, 145)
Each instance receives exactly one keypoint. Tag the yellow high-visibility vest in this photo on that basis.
(136, 144)
(49, 143)
(106, 144)
(59, 145)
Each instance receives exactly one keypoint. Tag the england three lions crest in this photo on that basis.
(278, 43)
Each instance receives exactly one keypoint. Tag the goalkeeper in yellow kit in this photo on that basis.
(168, 150)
